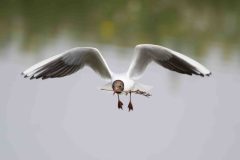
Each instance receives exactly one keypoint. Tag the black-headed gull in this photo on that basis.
(74, 59)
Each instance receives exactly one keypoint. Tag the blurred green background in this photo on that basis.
(193, 24)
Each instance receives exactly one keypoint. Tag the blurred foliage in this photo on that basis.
(192, 23)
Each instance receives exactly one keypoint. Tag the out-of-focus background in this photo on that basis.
(187, 118)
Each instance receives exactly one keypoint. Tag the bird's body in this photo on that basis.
(74, 59)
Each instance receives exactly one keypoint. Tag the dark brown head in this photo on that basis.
(118, 86)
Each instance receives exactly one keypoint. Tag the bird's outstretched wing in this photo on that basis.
(146, 53)
(68, 63)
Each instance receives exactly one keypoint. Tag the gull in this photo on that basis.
(73, 60)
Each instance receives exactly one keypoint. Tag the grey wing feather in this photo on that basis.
(172, 60)
(68, 63)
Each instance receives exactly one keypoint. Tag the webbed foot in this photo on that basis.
(130, 106)
(120, 104)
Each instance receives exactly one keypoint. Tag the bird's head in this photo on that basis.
(118, 86)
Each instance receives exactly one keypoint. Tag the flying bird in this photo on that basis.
(73, 60)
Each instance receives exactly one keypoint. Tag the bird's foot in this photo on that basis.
(120, 104)
(130, 106)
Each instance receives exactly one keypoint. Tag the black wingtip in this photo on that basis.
(44, 77)
(22, 74)
(209, 74)
(203, 75)
(31, 78)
